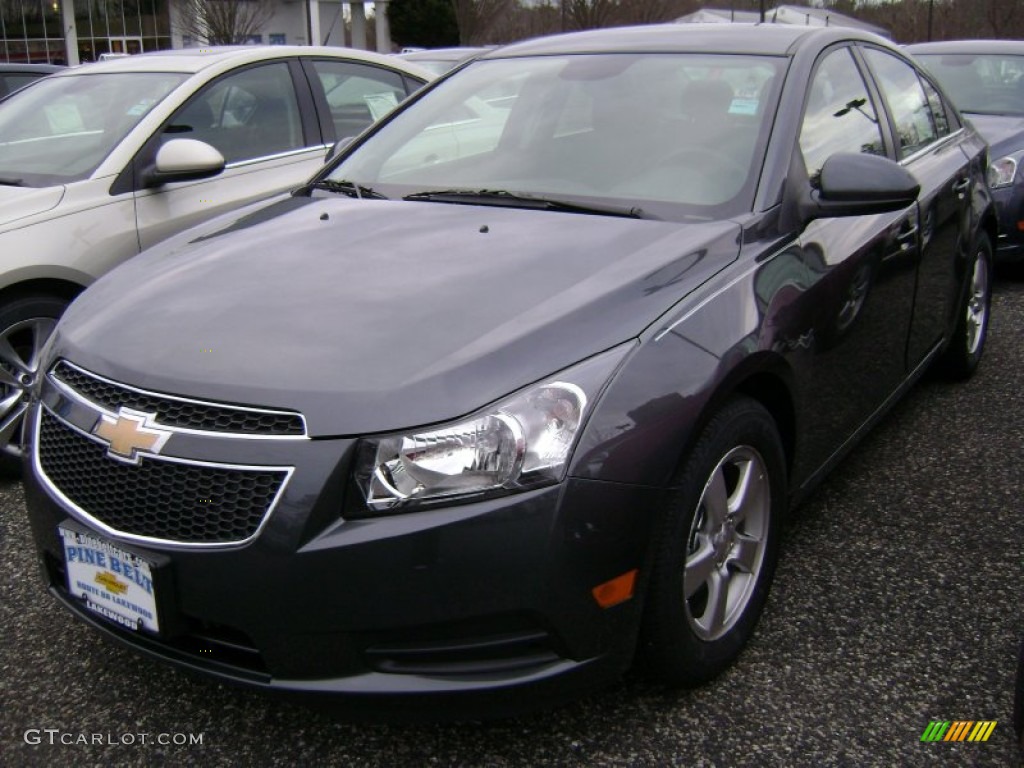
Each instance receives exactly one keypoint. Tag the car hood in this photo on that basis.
(21, 202)
(371, 316)
(1003, 133)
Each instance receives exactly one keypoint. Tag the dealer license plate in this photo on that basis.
(112, 582)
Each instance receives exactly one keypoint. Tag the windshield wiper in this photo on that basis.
(521, 200)
(9, 182)
(349, 188)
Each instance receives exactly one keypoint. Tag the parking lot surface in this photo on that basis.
(899, 600)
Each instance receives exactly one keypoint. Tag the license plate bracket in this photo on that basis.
(118, 583)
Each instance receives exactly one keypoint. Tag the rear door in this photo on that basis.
(928, 144)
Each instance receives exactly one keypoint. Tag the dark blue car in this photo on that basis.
(986, 80)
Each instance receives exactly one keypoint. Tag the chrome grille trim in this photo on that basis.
(69, 391)
(117, 534)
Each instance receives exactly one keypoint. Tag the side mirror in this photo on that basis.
(183, 160)
(336, 148)
(854, 184)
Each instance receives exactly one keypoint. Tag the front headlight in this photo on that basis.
(523, 441)
(1003, 171)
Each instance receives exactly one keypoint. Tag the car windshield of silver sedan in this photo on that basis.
(666, 136)
(982, 84)
(61, 129)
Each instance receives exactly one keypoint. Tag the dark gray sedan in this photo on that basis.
(985, 78)
(525, 380)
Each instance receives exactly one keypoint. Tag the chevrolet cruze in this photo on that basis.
(525, 380)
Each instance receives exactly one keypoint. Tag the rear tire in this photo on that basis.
(25, 325)
(717, 548)
(961, 358)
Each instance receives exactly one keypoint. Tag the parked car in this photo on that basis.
(468, 432)
(985, 78)
(15, 76)
(440, 60)
(99, 162)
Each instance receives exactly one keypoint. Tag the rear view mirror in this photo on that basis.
(184, 160)
(854, 184)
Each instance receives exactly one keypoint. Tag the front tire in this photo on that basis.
(25, 325)
(717, 548)
(961, 358)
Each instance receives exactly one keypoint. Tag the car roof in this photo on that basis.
(43, 69)
(758, 39)
(220, 58)
(442, 54)
(969, 46)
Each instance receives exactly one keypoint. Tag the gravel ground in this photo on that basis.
(897, 602)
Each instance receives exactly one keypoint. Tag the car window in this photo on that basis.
(839, 116)
(940, 115)
(905, 96)
(668, 132)
(245, 115)
(980, 83)
(13, 81)
(357, 94)
(62, 128)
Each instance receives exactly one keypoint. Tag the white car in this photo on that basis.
(101, 161)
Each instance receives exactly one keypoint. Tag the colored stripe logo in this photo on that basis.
(958, 730)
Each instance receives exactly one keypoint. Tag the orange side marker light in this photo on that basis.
(615, 591)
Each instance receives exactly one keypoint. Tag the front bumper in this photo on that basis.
(486, 607)
(1010, 208)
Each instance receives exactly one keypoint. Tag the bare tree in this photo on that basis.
(224, 22)
(589, 14)
(478, 18)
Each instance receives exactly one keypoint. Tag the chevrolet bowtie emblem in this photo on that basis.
(130, 433)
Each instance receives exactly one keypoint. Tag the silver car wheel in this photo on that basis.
(20, 347)
(977, 304)
(726, 545)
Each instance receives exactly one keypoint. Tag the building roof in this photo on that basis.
(755, 39)
(797, 15)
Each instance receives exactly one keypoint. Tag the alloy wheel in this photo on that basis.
(727, 540)
(20, 348)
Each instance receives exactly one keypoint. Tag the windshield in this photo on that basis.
(988, 84)
(61, 128)
(671, 135)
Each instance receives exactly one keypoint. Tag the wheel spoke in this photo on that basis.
(9, 355)
(716, 499)
(7, 380)
(699, 568)
(41, 331)
(744, 553)
(713, 619)
(10, 426)
(738, 499)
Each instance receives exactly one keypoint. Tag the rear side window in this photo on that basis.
(839, 116)
(939, 113)
(357, 94)
(908, 104)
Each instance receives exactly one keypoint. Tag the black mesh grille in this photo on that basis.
(179, 413)
(159, 499)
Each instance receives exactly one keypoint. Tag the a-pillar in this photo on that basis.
(383, 30)
(358, 25)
